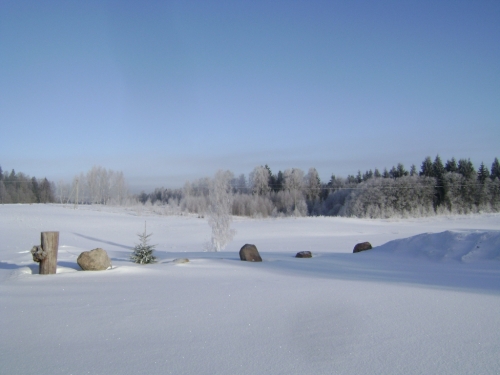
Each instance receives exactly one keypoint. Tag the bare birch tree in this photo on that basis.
(219, 210)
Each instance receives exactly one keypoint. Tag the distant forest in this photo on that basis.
(453, 187)
(20, 188)
(437, 188)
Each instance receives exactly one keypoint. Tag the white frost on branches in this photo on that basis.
(219, 210)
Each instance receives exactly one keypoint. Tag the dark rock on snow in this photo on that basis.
(362, 247)
(181, 260)
(250, 253)
(94, 260)
(304, 254)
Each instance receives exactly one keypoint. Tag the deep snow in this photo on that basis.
(424, 300)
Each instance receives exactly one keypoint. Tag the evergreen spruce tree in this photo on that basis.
(466, 169)
(451, 165)
(393, 173)
(427, 169)
(495, 169)
(483, 173)
(359, 178)
(413, 170)
(367, 175)
(438, 168)
(279, 182)
(143, 252)
(440, 189)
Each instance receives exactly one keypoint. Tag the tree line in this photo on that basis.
(21, 188)
(98, 186)
(437, 188)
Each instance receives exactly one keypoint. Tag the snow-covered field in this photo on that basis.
(428, 304)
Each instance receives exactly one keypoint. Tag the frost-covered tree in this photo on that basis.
(294, 185)
(143, 252)
(4, 195)
(259, 180)
(220, 199)
(312, 184)
(239, 184)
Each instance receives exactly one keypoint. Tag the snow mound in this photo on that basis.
(462, 246)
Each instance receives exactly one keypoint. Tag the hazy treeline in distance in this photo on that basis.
(437, 188)
(97, 186)
(453, 187)
(21, 188)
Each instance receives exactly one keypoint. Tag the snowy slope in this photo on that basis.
(461, 246)
(421, 304)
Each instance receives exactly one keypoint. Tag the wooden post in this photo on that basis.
(50, 244)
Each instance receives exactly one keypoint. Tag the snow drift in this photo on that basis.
(460, 246)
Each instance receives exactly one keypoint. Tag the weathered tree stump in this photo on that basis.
(46, 254)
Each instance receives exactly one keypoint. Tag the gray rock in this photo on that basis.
(363, 246)
(304, 254)
(250, 253)
(181, 260)
(94, 260)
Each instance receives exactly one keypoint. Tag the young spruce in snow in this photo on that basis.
(143, 252)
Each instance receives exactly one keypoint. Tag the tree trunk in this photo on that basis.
(50, 244)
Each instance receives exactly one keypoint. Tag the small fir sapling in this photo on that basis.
(143, 252)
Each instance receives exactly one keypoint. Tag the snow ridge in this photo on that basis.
(465, 246)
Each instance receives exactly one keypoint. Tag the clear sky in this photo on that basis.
(170, 91)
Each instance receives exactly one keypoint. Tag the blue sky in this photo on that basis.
(170, 91)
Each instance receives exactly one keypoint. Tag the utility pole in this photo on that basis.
(76, 200)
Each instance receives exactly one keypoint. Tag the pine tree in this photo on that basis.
(495, 169)
(427, 169)
(483, 173)
(438, 168)
(367, 175)
(143, 252)
(439, 171)
(359, 178)
(466, 168)
(451, 165)
(413, 170)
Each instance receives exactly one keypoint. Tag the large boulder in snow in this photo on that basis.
(362, 247)
(94, 260)
(250, 253)
(304, 254)
(181, 260)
